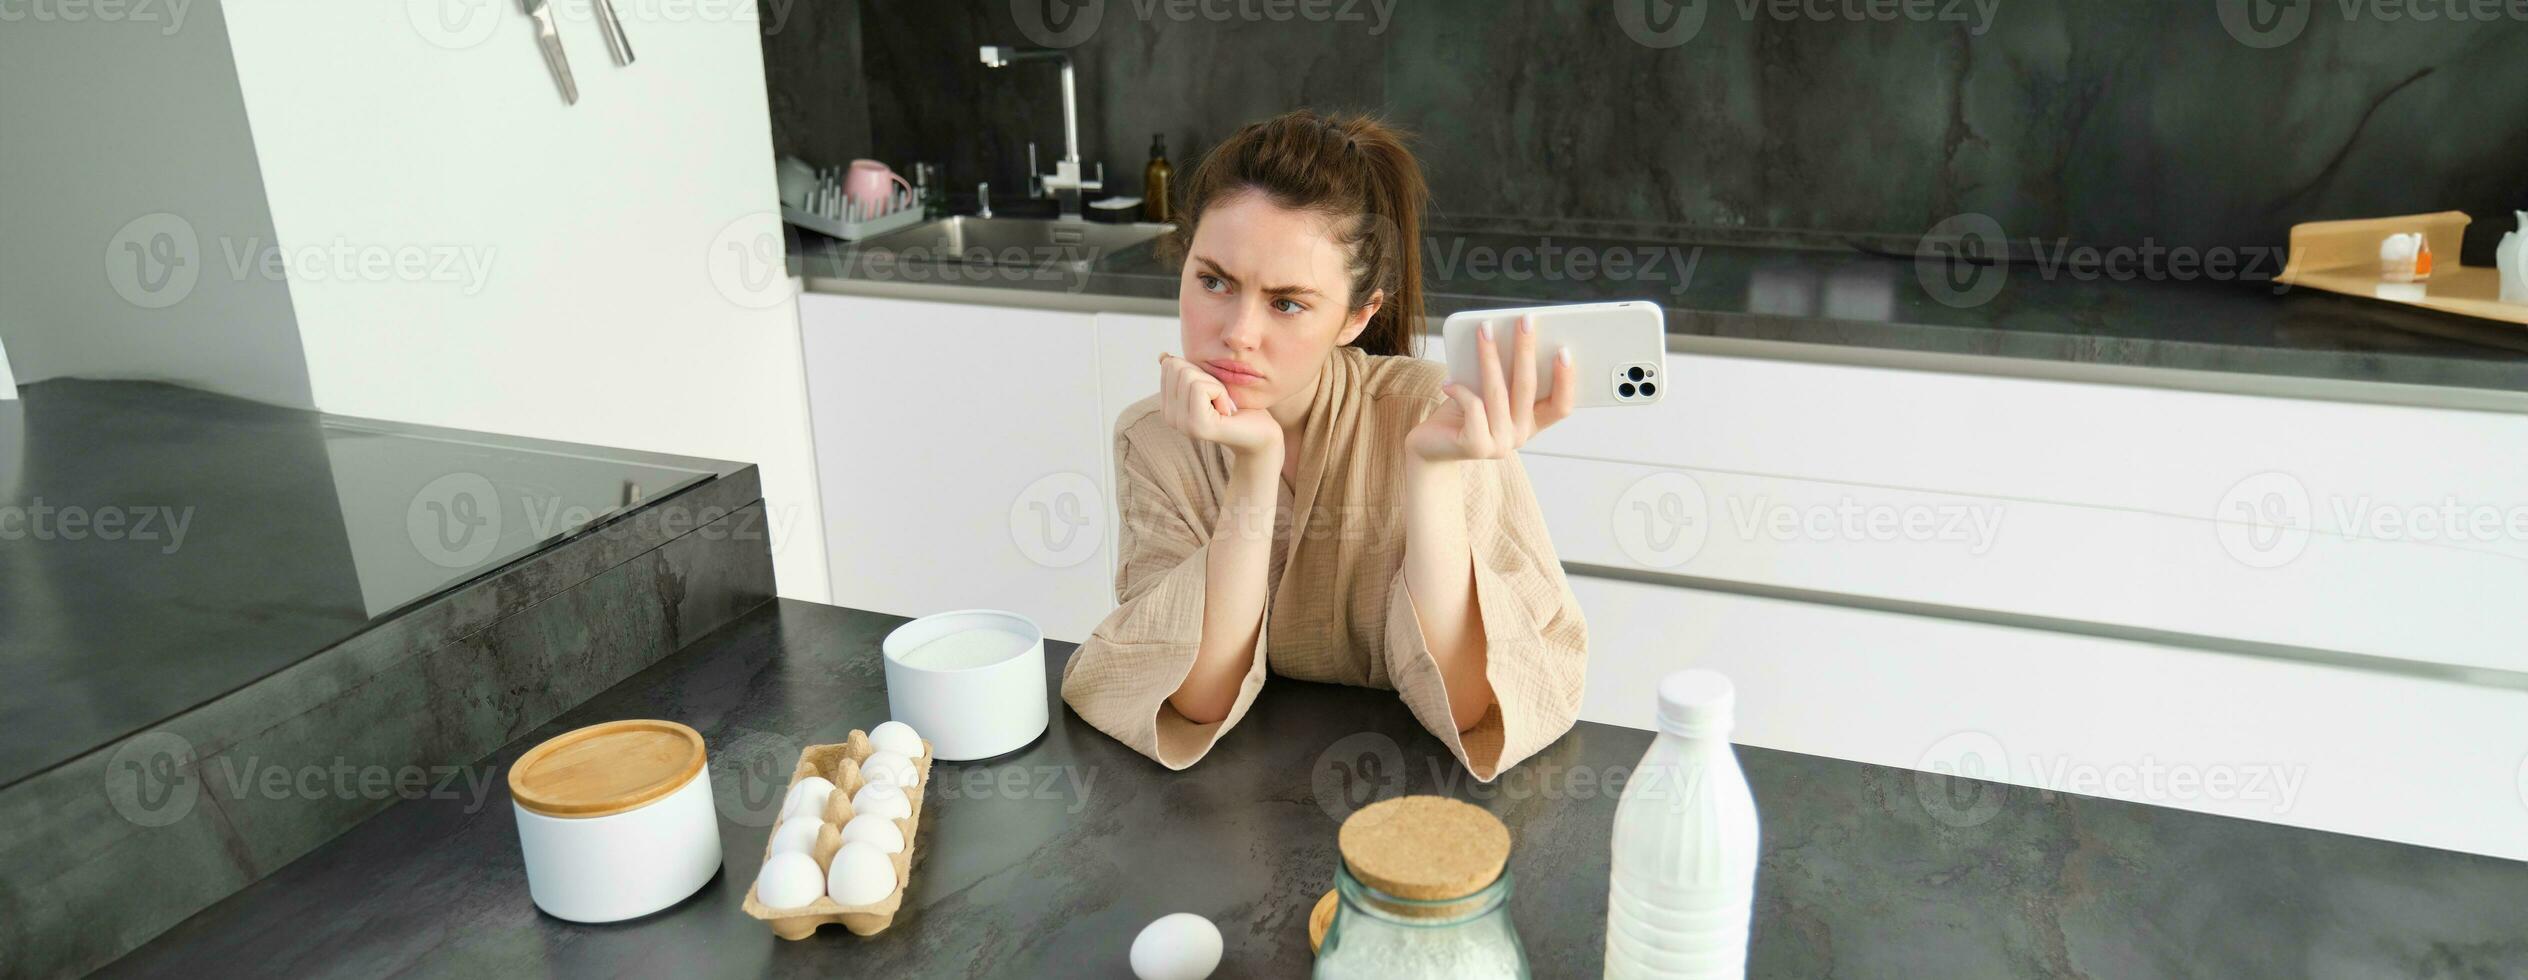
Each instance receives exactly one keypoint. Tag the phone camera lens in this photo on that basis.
(1634, 374)
(1648, 389)
(1625, 389)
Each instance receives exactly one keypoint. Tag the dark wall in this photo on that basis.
(2101, 121)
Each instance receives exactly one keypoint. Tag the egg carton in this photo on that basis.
(841, 764)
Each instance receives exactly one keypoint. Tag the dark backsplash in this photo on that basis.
(2103, 122)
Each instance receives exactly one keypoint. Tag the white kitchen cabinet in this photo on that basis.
(959, 451)
(1128, 349)
(2131, 507)
(2407, 757)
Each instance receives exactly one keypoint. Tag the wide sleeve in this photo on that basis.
(1536, 643)
(1119, 679)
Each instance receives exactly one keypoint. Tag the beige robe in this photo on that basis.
(1336, 608)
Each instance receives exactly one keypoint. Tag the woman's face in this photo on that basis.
(1262, 298)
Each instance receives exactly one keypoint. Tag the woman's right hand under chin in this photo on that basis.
(1199, 406)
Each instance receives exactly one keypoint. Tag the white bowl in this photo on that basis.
(975, 694)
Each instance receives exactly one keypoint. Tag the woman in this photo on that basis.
(1303, 494)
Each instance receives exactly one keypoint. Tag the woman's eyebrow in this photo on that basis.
(1215, 269)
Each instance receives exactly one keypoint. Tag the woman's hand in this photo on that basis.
(1198, 405)
(1506, 414)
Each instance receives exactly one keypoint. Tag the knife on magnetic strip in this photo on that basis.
(550, 39)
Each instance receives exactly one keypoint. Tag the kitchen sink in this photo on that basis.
(1012, 241)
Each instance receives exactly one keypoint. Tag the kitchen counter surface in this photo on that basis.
(1857, 302)
(247, 538)
(1046, 862)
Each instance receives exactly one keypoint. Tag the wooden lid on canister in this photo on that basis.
(606, 768)
(1424, 848)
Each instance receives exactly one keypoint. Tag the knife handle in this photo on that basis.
(617, 44)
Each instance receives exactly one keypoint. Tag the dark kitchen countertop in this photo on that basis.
(249, 537)
(1048, 861)
(1856, 299)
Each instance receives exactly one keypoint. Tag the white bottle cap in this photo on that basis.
(1696, 704)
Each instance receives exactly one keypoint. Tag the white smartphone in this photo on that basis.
(1618, 350)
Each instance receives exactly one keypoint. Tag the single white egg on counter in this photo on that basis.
(897, 737)
(874, 830)
(1181, 946)
(796, 836)
(887, 767)
(861, 874)
(808, 801)
(789, 880)
(882, 799)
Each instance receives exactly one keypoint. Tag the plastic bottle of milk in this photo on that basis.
(1685, 844)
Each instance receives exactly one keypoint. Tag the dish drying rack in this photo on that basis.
(828, 212)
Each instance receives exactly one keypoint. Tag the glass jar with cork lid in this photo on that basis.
(1422, 890)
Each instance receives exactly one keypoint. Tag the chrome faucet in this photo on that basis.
(1065, 181)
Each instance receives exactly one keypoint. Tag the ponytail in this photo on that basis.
(1351, 168)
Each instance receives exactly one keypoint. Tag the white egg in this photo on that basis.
(816, 787)
(861, 874)
(877, 831)
(897, 737)
(882, 799)
(796, 836)
(887, 767)
(809, 806)
(788, 881)
(1182, 946)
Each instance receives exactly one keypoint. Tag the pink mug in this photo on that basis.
(870, 188)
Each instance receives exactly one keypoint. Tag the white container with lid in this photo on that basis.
(615, 820)
(1682, 876)
(971, 681)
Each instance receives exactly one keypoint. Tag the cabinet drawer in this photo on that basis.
(2033, 558)
(2411, 475)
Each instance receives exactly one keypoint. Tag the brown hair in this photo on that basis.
(1353, 168)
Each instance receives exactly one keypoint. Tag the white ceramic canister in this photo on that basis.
(971, 681)
(615, 820)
